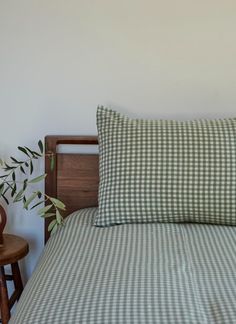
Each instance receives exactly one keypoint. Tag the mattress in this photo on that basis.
(134, 273)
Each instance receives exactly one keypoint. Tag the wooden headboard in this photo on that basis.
(74, 178)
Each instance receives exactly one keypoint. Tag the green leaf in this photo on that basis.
(37, 179)
(52, 224)
(30, 199)
(40, 145)
(22, 149)
(39, 203)
(6, 200)
(8, 167)
(37, 154)
(54, 229)
(31, 167)
(44, 209)
(58, 217)
(14, 160)
(29, 150)
(25, 184)
(59, 204)
(1, 188)
(33, 153)
(22, 169)
(52, 163)
(48, 215)
(6, 189)
(13, 190)
(18, 197)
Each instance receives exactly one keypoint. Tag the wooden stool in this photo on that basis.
(14, 249)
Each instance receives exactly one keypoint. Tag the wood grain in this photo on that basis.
(13, 249)
(77, 181)
(74, 178)
(3, 220)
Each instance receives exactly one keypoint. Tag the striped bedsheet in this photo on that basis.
(136, 273)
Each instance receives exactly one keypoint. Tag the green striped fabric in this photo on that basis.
(166, 170)
(133, 274)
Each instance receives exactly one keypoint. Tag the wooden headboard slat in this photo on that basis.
(75, 177)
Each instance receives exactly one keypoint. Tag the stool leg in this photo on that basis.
(4, 302)
(17, 278)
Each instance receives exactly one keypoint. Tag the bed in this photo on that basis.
(131, 273)
(157, 273)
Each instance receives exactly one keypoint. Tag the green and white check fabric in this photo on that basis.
(165, 170)
(133, 274)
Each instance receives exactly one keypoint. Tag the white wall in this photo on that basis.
(60, 59)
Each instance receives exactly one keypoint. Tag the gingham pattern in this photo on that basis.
(165, 170)
(134, 273)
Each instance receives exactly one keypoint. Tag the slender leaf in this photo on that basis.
(8, 167)
(29, 150)
(58, 217)
(44, 209)
(33, 153)
(51, 225)
(31, 167)
(48, 215)
(1, 188)
(22, 169)
(13, 190)
(39, 203)
(37, 154)
(15, 160)
(22, 149)
(27, 164)
(19, 195)
(37, 179)
(14, 176)
(30, 199)
(6, 200)
(40, 145)
(54, 229)
(59, 204)
(25, 184)
(6, 189)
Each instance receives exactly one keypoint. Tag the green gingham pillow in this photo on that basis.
(165, 170)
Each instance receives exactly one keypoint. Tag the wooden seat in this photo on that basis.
(14, 249)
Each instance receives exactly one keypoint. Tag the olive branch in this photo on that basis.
(18, 189)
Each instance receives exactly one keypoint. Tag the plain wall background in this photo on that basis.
(60, 59)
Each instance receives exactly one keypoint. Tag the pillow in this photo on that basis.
(166, 170)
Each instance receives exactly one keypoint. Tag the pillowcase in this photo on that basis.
(166, 170)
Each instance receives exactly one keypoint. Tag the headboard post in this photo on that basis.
(51, 154)
(51, 178)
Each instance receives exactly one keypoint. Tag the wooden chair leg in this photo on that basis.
(17, 279)
(4, 302)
